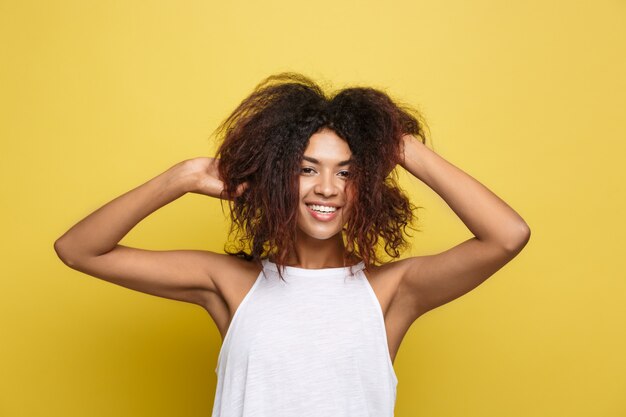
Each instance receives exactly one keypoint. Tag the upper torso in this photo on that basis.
(314, 344)
(385, 280)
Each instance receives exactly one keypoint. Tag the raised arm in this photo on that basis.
(91, 246)
(499, 232)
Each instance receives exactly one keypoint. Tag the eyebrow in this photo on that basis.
(315, 161)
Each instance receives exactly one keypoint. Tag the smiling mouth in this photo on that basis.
(322, 216)
(322, 209)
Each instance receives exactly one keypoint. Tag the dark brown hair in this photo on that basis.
(263, 141)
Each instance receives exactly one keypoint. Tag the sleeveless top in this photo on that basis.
(313, 346)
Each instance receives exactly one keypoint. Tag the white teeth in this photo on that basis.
(323, 209)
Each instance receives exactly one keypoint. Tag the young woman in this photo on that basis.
(310, 315)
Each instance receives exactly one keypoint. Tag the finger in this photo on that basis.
(241, 188)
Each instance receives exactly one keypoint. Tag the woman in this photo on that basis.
(310, 315)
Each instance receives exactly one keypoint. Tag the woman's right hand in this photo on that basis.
(203, 177)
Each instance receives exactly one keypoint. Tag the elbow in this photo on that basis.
(62, 253)
(520, 238)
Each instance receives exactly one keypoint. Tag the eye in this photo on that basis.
(306, 170)
(345, 173)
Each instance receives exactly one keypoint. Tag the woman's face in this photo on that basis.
(324, 176)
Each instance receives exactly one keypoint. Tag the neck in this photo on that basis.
(311, 253)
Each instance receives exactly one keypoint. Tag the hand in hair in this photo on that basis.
(407, 140)
(206, 179)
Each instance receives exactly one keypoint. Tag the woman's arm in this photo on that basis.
(91, 246)
(499, 232)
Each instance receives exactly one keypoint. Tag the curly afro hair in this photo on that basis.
(262, 143)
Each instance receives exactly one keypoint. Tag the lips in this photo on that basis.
(323, 217)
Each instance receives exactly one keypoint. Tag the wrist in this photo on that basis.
(410, 146)
(413, 154)
(180, 178)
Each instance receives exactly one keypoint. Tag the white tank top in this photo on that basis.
(313, 346)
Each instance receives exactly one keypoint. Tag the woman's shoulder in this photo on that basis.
(238, 263)
(231, 270)
(387, 275)
(394, 267)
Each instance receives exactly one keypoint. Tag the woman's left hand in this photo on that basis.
(403, 148)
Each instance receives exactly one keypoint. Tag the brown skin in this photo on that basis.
(406, 289)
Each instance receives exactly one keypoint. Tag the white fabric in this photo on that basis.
(314, 346)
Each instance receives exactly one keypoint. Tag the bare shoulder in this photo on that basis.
(389, 269)
(226, 271)
(229, 270)
(390, 272)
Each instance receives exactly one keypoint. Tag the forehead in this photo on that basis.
(326, 146)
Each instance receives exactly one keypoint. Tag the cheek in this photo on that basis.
(350, 194)
(304, 187)
(349, 206)
(302, 191)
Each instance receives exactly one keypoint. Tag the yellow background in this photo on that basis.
(527, 97)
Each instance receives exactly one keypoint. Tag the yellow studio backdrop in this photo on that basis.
(527, 97)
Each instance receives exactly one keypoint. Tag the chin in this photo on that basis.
(325, 237)
(318, 234)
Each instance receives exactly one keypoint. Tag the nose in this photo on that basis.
(327, 185)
